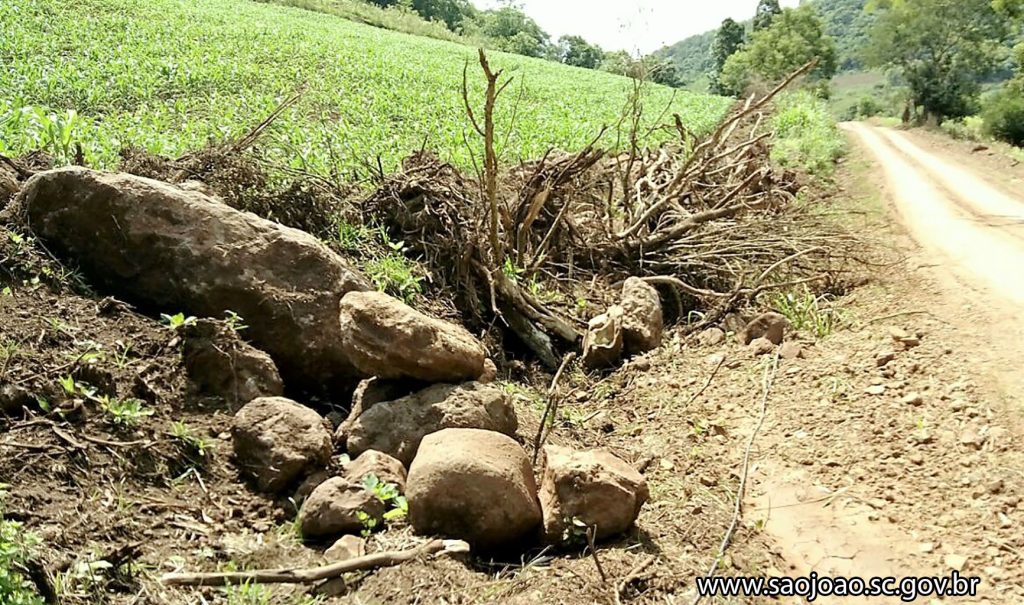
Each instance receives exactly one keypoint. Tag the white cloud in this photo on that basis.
(637, 25)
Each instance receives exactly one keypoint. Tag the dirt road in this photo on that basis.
(885, 459)
(975, 226)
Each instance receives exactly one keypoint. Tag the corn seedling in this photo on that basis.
(177, 321)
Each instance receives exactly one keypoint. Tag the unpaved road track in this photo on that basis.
(976, 226)
(910, 467)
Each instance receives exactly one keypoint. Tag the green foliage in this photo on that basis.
(170, 76)
(1003, 113)
(395, 16)
(765, 15)
(971, 128)
(127, 413)
(795, 37)
(16, 545)
(941, 48)
(37, 128)
(807, 313)
(396, 275)
(194, 445)
(691, 56)
(849, 25)
(177, 321)
(728, 40)
(806, 135)
(574, 50)
(397, 505)
(512, 30)
(234, 321)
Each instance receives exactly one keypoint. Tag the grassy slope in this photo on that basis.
(169, 75)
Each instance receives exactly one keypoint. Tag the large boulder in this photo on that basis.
(338, 506)
(642, 320)
(220, 364)
(276, 439)
(387, 338)
(473, 485)
(169, 250)
(397, 427)
(592, 487)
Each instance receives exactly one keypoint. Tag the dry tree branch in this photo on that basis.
(315, 574)
(767, 382)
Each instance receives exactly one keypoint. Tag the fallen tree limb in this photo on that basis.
(315, 574)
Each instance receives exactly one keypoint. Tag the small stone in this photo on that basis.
(771, 326)
(490, 372)
(347, 547)
(1004, 521)
(386, 338)
(276, 439)
(338, 506)
(912, 399)
(970, 437)
(916, 458)
(926, 547)
(761, 346)
(642, 320)
(791, 350)
(593, 487)
(882, 358)
(371, 462)
(473, 485)
(711, 337)
(603, 344)
(955, 562)
(875, 389)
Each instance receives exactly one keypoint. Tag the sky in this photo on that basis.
(633, 25)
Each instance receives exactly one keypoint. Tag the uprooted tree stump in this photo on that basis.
(707, 218)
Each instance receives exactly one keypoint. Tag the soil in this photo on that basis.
(857, 470)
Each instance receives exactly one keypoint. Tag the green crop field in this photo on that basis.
(172, 75)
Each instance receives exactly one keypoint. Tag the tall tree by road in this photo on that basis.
(943, 49)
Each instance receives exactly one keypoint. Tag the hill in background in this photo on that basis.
(845, 21)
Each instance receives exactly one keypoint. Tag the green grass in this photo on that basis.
(806, 135)
(171, 75)
(16, 545)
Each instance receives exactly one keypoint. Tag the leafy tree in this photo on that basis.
(766, 13)
(941, 48)
(574, 50)
(514, 31)
(796, 37)
(662, 71)
(728, 40)
(451, 12)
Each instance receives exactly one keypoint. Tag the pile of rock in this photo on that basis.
(426, 405)
(467, 477)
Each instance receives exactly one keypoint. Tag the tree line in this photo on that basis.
(510, 29)
(942, 53)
